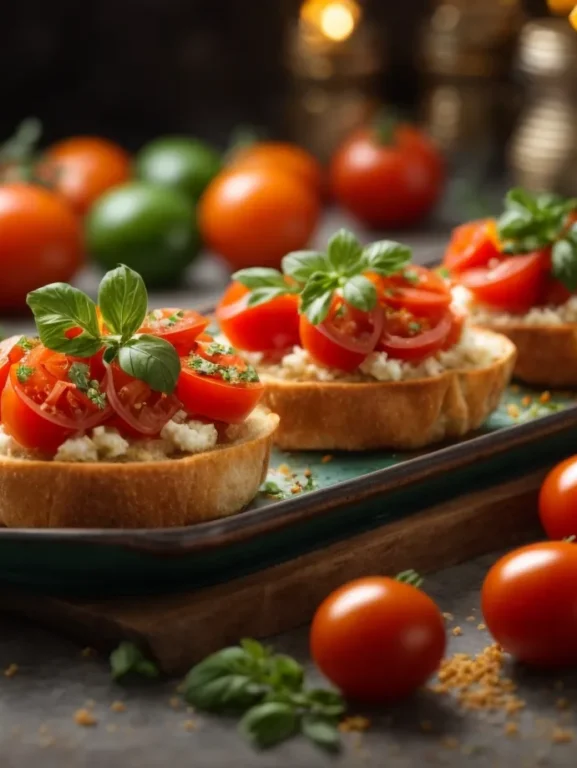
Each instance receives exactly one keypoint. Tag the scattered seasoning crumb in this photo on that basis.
(457, 631)
(511, 729)
(11, 670)
(326, 459)
(88, 653)
(470, 618)
(174, 702)
(513, 410)
(562, 736)
(118, 706)
(450, 742)
(481, 627)
(308, 472)
(448, 616)
(562, 703)
(545, 397)
(526, 401)
(190, 725)
(296, 489)
(284, 469)
(515, 388)
(426, 726)
(85, 718)
(354, 724)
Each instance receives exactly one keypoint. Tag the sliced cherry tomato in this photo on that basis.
(344, 339)
(138, 409)
(456, 331)
(472, 245)
(217, 384)
(405, 337)
(514, 284)
(558, 500)
(555, 293)
(529, 603)
(10, 352)
(274, 325)
(378, 639)
(417, 290)
(180, 327)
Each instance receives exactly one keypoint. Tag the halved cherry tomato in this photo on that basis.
(10, 352)
(558, 500)
(417, 290)
(344, 339)
(555, 293)
(405, 337)
(217, 386)
(180, 327)
(378, 639)
(472, 245)
(274, 325)
(529, 603)
(514, 284)
(138, 409)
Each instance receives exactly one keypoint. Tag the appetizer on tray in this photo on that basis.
(518, 275)
(359, 349)
(120, 417)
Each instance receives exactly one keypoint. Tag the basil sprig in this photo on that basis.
(122, 298)
(564, 259)
(317, 275)
(533, 221)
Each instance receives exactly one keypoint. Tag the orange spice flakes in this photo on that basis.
(11, 670)
(511, 729)
(562, 736)
(513, 410)
(284, 469)
(353, 724)
(326, 459)
(118, 706)
(190, 725)
(544, 397)
(526, 401)
(85, 718)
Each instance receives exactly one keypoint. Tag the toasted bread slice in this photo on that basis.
(353, 416)
(546, 354)
(158, 494)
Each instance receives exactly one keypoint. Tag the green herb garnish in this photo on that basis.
(128, 659)
(79, 374)
(316, 275)
(122, 298)
(26, 343)
(267, 689)
(23, 373)
(415, 327)
(214, 348)
(229, 373)
(175, 317)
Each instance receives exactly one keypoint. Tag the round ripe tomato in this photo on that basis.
(472, 245)
(387, 183)
(84, 167)
(281, 156)
(529, 603)
(274, 325)
(217, 384)
(378, 639)
(514, 284)
(180, 327)
(344, 339)
(406, 337)
(417, 290)
(40, 242)
(255, 216)
(558, 500)
(10, 352)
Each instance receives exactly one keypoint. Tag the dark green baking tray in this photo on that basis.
(354, 493)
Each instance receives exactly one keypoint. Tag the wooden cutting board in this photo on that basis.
(179, 629)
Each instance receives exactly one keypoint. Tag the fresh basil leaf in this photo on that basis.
(268, 724)
(254, 649)
(385, 257)
(128, 659)
(324, 701)
(317, 295)
(300, 265)
(152, 360)
(223, 681)
(359, 292)
(110, 353)
(286, 672)
(57, 309)
(264, 295)
(344, 252)
(520, 200)
(260, 277)
(322, 731)
(123, 301)
(564, 262)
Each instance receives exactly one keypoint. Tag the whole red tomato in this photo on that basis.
(558, 500)
(40, 242)
(254, 216)
(378, 639)
(387, 178)
(529, 603)
(83, 168)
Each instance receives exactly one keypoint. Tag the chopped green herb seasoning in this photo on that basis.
(229, 373)
(79, 375)
(411, 276)
(23, 373)
(175, 317)
(415, 327)
(27, 344)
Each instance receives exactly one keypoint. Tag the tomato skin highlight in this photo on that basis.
(472, 245)
(266, 327)
(558, 500)
(378, 639)
(529, 603)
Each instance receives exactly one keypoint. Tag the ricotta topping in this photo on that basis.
(547, 315)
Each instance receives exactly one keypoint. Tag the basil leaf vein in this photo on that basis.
(152, 360)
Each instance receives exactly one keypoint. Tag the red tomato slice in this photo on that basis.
(344, 339)
(397, 342)
(515, 284)
(180, 327)
(417, 290)
(274, 325)
(217, 386)
(10, 352)
(555, 293)
(139, 410)
(472, 245)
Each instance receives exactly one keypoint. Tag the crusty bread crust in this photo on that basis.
(546, 354)
(400, 415)
(158, 494)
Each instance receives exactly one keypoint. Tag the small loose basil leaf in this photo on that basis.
(128, 659)
(564, 263)
(322, 731)
(152, 360)
(58, 308)
(264, 295)
(325, 701)
(260, 277)
(286, 672)
(386, 257)
(123, 301)
(300, 265)
(343, 251)
(268, 724)
(360, 293)
(223, 682)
